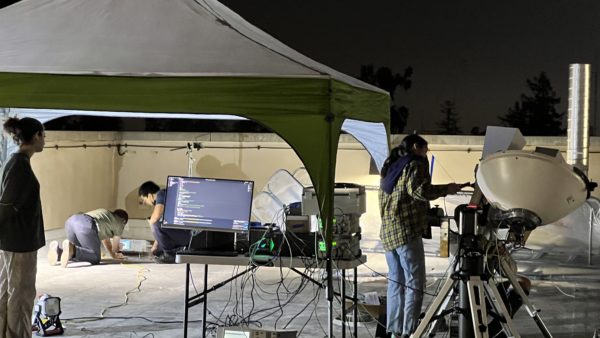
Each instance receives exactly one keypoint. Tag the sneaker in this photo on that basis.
(53, 253)
(68, 253)
(165, 258)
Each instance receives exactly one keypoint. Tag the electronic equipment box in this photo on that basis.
(348, 198)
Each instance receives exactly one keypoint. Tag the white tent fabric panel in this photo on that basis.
(372, 136)
(108, 25)
(191, 38)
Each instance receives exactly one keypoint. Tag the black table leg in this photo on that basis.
(355, 301)
(343, 301)
(187, 297)
(205, 301)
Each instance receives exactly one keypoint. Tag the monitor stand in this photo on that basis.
(213, 243)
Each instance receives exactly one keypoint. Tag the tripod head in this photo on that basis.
(480, 244)
(470, 254)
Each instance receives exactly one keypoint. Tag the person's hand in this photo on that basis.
(119, 255)
(154, 249)
(453, 188)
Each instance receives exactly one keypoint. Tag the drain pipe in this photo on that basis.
(577, 132)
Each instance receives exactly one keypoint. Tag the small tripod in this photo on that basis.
(474, 288)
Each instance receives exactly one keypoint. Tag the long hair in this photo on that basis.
(406, 147)
(22, 130)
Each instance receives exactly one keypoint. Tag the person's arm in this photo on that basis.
(155, 217)
(113, 249)
(18, 186)
(116, 244)
(420, 187)
(419, 184)
(156, 213)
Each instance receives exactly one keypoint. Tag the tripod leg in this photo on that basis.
(433, 328)
(477, 302)
(497, 303)
(533, 312)
(433, 308)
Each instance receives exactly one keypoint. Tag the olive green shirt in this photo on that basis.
(108, 224)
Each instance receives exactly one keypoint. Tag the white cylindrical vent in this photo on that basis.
(577, 133)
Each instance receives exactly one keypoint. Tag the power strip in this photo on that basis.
(246, 332)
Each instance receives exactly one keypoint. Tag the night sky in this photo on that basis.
(478, 54)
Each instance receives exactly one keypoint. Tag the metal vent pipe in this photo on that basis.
(579, 107)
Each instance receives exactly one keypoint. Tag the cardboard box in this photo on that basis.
(374, 310)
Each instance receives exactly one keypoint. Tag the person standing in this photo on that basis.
(404, 195)
(21, 228)
(85, 232)
(166, 241)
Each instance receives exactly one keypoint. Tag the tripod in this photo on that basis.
(474, 288)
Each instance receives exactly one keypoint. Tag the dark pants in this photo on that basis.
(170, 240)
(82, 231)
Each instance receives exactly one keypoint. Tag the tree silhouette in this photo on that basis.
(385, 79)
(449, 123)
(536, 115)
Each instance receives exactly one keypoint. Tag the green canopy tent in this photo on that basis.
(180, 56)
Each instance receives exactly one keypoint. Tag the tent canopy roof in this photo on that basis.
(180, 56)
(146, 38)
(176, 56)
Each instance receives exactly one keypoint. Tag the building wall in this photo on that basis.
(75, 179)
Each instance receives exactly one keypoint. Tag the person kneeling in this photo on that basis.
(85, 231)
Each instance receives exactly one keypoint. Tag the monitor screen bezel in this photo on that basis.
(206, 228)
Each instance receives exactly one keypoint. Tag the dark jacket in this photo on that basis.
(21, 221)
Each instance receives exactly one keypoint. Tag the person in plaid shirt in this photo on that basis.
(404, 195)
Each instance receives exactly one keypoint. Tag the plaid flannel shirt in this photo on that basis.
(403, 211)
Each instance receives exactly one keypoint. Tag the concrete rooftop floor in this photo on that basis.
(567, 293)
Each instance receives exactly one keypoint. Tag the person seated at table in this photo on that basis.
(166, 241)
(85, 231)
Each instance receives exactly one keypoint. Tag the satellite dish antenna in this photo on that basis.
(532, 184)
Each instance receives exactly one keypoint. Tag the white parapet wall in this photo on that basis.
(78, 179)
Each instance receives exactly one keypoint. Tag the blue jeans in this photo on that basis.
(406, 284)
(82, 231)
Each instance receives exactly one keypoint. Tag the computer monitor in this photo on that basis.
(195, 203)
